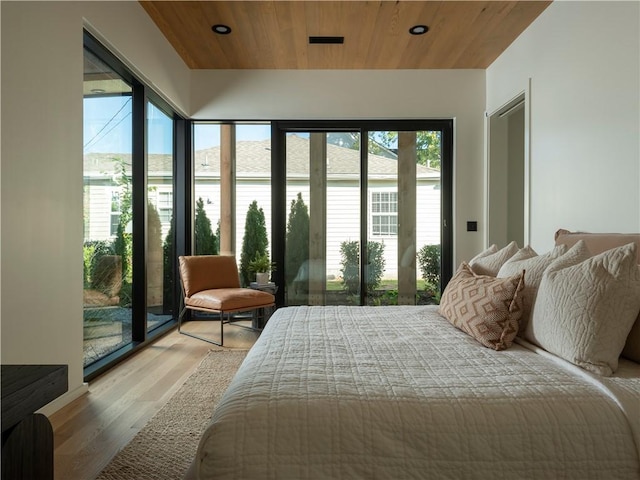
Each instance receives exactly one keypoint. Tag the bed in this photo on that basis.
(402, 392)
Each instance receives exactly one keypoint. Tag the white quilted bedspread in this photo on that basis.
(398, 393)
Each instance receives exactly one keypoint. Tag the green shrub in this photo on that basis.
(350, 254)
(205, 240)
(123, 243)
(92, 251)
(297, 242)
(429, 261)
(255, 241)
(87, 254)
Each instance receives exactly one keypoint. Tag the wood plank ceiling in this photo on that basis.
(275, 34)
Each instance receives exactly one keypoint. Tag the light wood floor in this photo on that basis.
(92, 429)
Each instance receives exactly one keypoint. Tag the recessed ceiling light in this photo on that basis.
(98, 90)
(221, 29)
(418, 30)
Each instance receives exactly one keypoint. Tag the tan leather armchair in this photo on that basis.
(210, 283)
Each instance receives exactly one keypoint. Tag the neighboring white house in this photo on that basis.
(103, 193)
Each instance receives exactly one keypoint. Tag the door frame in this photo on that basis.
(524, 98)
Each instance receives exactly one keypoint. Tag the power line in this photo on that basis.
(108, 122)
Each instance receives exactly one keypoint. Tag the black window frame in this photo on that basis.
(142, 94)
(279, 129)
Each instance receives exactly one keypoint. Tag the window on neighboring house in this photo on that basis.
(384, 214)
(165, 206)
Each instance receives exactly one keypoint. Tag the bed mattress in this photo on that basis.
(398, 392)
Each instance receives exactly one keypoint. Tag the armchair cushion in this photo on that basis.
(230, 299)
(206, 272)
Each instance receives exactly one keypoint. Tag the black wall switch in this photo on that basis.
(472, 226)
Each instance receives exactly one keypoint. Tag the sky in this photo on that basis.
(107, 128)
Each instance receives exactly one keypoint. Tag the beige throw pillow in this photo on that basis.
(534, 266)
(490, 264)
(492, 249)
(585, 308)
(484, 307)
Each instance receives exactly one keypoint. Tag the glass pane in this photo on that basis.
(232, 165)
(161, 303)
(297, 262)
(253, 198)
(404, 220)
(323, 227)
(428, 215)
(382, 245)
(107, 210)
(206, 168)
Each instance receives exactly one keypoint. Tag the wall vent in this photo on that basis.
(326, 40)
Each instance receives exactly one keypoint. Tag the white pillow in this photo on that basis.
(534, 266)
(585, 308)
(492, 249)
(522, 254)
(490, 264)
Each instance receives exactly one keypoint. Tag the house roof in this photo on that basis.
(253, 160)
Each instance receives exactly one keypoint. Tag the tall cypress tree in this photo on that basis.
(297, 251)
(155, 264)
(154, 230)
(169, 253)
(205, 239)
(255, 240)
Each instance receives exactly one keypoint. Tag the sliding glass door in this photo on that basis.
(131, 155)
(366, 210)
(108, 187)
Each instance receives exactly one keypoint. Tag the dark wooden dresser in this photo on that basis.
(27, 437)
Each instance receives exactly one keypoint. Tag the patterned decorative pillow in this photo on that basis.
(490, 264)
(526, 259)
(484, 307)
(585, 309)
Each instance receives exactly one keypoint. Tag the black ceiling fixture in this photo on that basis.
(221, 29)
(418, 30)
(326, 40)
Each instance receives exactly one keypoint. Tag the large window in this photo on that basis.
(232, 185)
(129, 243)
(350, 214)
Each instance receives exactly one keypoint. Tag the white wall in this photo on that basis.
(583, 59)
(365, 94)
(41, 194)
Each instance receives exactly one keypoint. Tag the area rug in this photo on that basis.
(165, 447)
